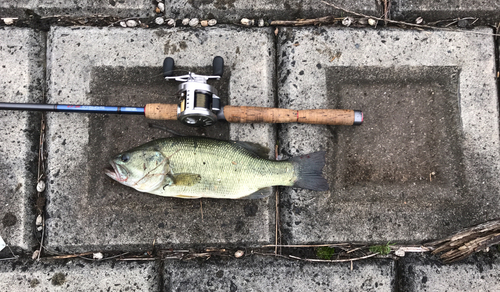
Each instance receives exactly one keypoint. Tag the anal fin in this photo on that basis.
(261, 193)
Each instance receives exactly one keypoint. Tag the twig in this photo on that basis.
(318, 260)
(404, 23)
(139, 259)
(70, 256)
(103, 259)
(300, 22)
(385, 12)
(305, 245)
(201, 210)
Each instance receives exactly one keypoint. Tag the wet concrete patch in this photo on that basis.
(412, 133)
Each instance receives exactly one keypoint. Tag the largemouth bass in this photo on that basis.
(193, 167)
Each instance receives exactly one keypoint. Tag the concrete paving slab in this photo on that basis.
(87, 210)
(257, 273)
(478, 273)
(21, 78)
(226, 11)
(424, 163)
(486, 11)
(234, 10)
(142, 8)
(79, 275)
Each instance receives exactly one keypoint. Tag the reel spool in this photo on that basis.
(199, 105)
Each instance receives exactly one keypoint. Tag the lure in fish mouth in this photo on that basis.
(194, 167)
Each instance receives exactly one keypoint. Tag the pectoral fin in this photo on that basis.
(186, 179)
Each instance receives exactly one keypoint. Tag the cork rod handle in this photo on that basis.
(248, 114)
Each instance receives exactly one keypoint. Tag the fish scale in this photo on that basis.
(225, 170)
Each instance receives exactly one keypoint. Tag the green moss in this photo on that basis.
(382, 249)
(325, 252)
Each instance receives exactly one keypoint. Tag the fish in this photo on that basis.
(198, 167)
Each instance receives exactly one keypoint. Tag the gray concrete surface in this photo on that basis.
(87, 210)
(79, 275)
(22, 56)
(259, 273)
(444, 129)
(225, 11)
(430, 11)
(47, 8)
(479, 273)
(425, 160)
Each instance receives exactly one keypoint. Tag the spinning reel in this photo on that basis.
(199, 105)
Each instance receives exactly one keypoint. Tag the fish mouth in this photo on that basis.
(113, 172)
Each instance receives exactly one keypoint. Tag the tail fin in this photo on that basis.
(309, 168)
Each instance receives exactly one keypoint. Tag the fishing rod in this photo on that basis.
(200, 106)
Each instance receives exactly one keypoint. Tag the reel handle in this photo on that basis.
(248, 114)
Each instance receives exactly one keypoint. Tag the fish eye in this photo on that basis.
(125, 157)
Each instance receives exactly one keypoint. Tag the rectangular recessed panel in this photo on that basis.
(411, 133)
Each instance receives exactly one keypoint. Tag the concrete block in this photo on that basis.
(478, 273)
(79, 275)
(142, 8)
(425, 162)
(430, 11)
(235, 10)
(86, 209)
(224, 11)
(21, 63)
(259, 273)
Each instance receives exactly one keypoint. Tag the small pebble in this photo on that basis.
(123, 23)
(400, 253)
(39, 220)
(247, 22)
(347, 21)
(372, 22)
(131, 23)
(239, 254)
(161, 6)
(212, 22)
(8, 20)
(261, 22)
(35, 254)
(419, 20)
(194, 22)
(185, 21)
(171, 22)
(204, 23)
(40, 187)
(97, 256)
(157, 10)
(159, 20)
